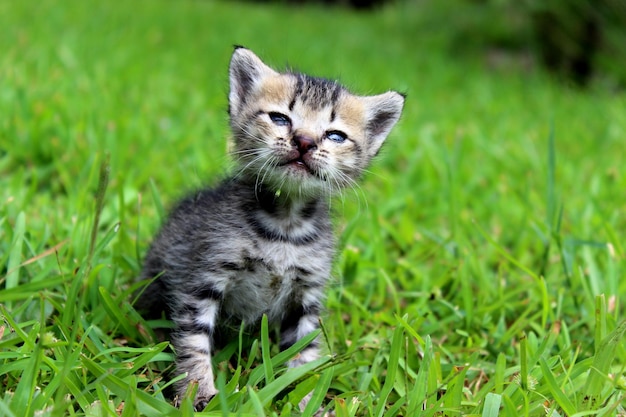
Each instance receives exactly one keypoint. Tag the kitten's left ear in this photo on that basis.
(246, 72)
(381, 114)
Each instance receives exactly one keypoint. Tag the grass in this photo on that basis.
(481, 266)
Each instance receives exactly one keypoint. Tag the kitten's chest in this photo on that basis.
(276, 278)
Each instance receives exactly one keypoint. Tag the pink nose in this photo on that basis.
(304, 143)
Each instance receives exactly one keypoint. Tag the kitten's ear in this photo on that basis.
(381, 114)
(245, 72)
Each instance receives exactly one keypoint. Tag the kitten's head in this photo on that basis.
(300, 134)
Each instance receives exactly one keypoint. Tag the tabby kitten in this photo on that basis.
(261, 242)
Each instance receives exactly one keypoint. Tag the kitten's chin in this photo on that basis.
(292, 178)
(298, 179)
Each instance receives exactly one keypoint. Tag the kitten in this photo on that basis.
(261, 242)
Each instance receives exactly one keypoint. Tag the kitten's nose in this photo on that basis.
(304, 143)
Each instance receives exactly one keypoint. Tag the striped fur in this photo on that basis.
(261, 242)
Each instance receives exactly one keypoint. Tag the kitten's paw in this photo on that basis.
(203, 396)
(201, 402)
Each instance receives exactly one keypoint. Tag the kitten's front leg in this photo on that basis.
(296, 325)
(193, 343)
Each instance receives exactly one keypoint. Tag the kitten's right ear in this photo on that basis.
(245, 72)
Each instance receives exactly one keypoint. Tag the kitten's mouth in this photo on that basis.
(299, 164)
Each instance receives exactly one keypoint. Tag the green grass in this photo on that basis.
(481, 267)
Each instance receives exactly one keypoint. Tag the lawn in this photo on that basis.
(482, 265)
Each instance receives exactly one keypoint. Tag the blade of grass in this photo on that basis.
(392, 369)
(158, 203)
(117, 314)
(409, 329)
(304, 388)
(122, 388)
(257, 374)
(21, 334)
(504, 253)
(319, 393)
(74, 297)
(108, 237)
(71, 358)
(257, 406)
(25, 390)
(454, 388)
(15, 256)
(265, 351)
(252, 354)
(500, 373)
(523, 360)
(492, 405)
(103, 183)
(26, 290)
(5, 409)
(598, 376)
(267, 393)
(141, 360)
(418, 393)
(600, 317)
(130, 403)
(554, 388)
(221, 393)
(540, 281)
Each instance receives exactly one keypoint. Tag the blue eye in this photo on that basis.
(279, 119)
(336, 136)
